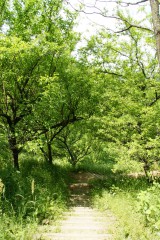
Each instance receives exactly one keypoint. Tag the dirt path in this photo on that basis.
(82, 222)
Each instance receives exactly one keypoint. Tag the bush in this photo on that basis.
(35, 195)
(149, 205)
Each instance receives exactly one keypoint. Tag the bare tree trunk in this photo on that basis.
(15, 151)
(47, 153)
(155, 9)
(49, 147)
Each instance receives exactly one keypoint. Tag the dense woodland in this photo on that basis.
(68, 103)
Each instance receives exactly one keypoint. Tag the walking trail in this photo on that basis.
(83, 222)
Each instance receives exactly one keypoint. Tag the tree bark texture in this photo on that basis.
(155, 9)
(49, 152)
(15, 151)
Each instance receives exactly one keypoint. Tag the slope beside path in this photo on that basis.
(83, 222)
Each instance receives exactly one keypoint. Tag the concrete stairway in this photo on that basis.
(82, 222)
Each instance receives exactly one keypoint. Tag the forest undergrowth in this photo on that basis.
(39, 194)
(69, 95)
(132, 200)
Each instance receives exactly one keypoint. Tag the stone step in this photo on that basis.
(86, 215)
(72, 236)
(83, 210)
(83, 228)
(79, 185)
(81, 196)
(83, 221)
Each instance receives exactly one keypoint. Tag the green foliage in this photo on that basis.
(128, 108)
(36, 195)
(11, 229)
(75, 142)
(63, 102)
(148, 203)
(128, 223)
(4, 153)
(38, 37)
(118, 193)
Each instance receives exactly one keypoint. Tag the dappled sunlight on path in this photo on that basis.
(82, 222)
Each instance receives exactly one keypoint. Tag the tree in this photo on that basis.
(19, 88)
(68, 100)
(31, 49)
(128, 72)
(128, 113)
(75, 141)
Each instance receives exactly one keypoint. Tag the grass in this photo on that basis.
(130, 224)
(38, 194)
(99, 167)
(11, 228)
(118, 193)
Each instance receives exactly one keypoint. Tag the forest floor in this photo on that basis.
(82, 221)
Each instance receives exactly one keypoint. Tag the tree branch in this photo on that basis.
(63, 124)
(140, 64)
(111, 73)
(157, 97)
(133, 26)
(127, 3)
(54, 135)
(30, 73)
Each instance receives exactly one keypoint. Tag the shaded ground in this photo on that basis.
(80, 189)
(82, 222)
(81, 186)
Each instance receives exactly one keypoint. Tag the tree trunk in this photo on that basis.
(49, 152)
(73, 157)
(155, 9)
(15, 152)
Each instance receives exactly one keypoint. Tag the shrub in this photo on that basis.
(149, 205)
(37, 194)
